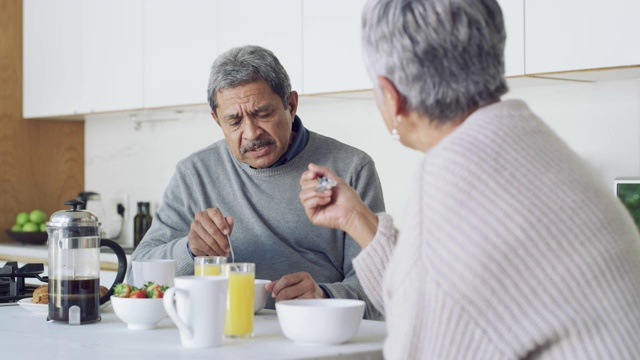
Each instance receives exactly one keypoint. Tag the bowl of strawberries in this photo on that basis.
(140, 308)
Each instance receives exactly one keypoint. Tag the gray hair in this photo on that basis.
(444, 56)
(246, 64)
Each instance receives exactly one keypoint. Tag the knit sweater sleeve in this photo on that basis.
(370, 265)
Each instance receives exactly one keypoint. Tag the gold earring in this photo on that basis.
(394, 133)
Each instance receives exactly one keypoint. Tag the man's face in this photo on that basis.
(255, 123)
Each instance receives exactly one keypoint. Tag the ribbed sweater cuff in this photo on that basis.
(372, 261)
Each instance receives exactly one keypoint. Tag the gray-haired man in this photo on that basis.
(247, 187)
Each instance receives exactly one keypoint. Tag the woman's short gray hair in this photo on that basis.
(444, 56)
(246, 64)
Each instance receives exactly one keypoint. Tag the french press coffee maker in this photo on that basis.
(74, 265)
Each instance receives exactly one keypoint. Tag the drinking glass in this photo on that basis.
(208, 265)
(239, 319)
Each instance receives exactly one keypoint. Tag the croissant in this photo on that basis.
(41, 295)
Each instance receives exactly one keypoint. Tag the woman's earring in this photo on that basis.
(394, 133)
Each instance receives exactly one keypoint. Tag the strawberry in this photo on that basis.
(155, 290)
(122, 290)
(139, 293)
(155, 293)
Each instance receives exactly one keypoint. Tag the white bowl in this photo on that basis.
(260, 294)
(320, 321)
(139, 314)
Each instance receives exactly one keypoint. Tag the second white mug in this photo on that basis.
(160, 271)
(199, 309)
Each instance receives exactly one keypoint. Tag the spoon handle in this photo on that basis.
(233, 258)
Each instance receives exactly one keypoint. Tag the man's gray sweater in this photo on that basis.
(271, 228)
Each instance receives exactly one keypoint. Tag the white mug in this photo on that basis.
(199, 309)
(160, 271)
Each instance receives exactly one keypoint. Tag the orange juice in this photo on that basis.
(207, 269)
(239, 321)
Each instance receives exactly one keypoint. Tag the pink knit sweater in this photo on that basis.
(511, 249)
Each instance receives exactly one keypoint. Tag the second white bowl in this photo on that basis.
(320, 321)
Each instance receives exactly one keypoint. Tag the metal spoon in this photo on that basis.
(233, 258)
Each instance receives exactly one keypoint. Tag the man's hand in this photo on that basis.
(295, 286)
(208, 234)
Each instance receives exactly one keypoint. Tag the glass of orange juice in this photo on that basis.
(208, 265)
(239, 320)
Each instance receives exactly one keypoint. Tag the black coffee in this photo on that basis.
(65, 293)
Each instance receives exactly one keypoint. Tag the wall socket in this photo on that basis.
(117, 228)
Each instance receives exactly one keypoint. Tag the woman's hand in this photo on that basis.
(339, 207)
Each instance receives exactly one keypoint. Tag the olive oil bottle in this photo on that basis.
(141, 222)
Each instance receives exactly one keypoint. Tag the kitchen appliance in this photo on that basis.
(93, 202)
(74, 265)
(12, 280)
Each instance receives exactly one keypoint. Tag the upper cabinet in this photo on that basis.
(112, 55)
(84, 56)
(569, 35)
(332, 55)
(81, 56)
(52, 57)
(274, 24)
(180, 44)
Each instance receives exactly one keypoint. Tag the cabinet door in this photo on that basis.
(513, 13)
(565, 35)
(112, 55)
(273, 24)
(81, 56)
(52, 55)
(332, 55)
(180, 44)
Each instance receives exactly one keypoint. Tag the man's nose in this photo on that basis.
(252, 129)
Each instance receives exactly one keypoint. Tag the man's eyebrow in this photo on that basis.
(231, 116)
(262, 108)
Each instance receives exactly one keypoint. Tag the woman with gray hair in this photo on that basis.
(511, 248)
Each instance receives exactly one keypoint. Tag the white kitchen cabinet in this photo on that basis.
(112, 76)
(332, 55)
(81, 56)
(567, 35)
(180, 44)
(52, 55)
(513, 13)
(273, 24)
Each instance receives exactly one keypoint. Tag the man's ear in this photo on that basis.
(293, 104)
(213, 115)
(393, 100)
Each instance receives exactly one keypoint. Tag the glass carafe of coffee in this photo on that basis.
(74, 265)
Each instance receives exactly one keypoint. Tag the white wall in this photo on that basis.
(601, 121)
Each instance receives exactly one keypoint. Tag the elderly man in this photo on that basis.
(245, 188)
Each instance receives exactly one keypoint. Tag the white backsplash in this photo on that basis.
(601, 121)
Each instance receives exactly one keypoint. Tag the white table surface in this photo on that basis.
(26, 335)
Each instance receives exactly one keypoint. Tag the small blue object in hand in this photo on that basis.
(325, 184)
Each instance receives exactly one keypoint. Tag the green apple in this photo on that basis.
(43, 227)
(30, 227)
(22, 218)
(37, 216)
(16, 228)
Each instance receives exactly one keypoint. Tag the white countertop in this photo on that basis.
(27, 335)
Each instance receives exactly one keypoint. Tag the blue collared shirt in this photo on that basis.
(298, 143)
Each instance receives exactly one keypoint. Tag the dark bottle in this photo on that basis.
(141, 222)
